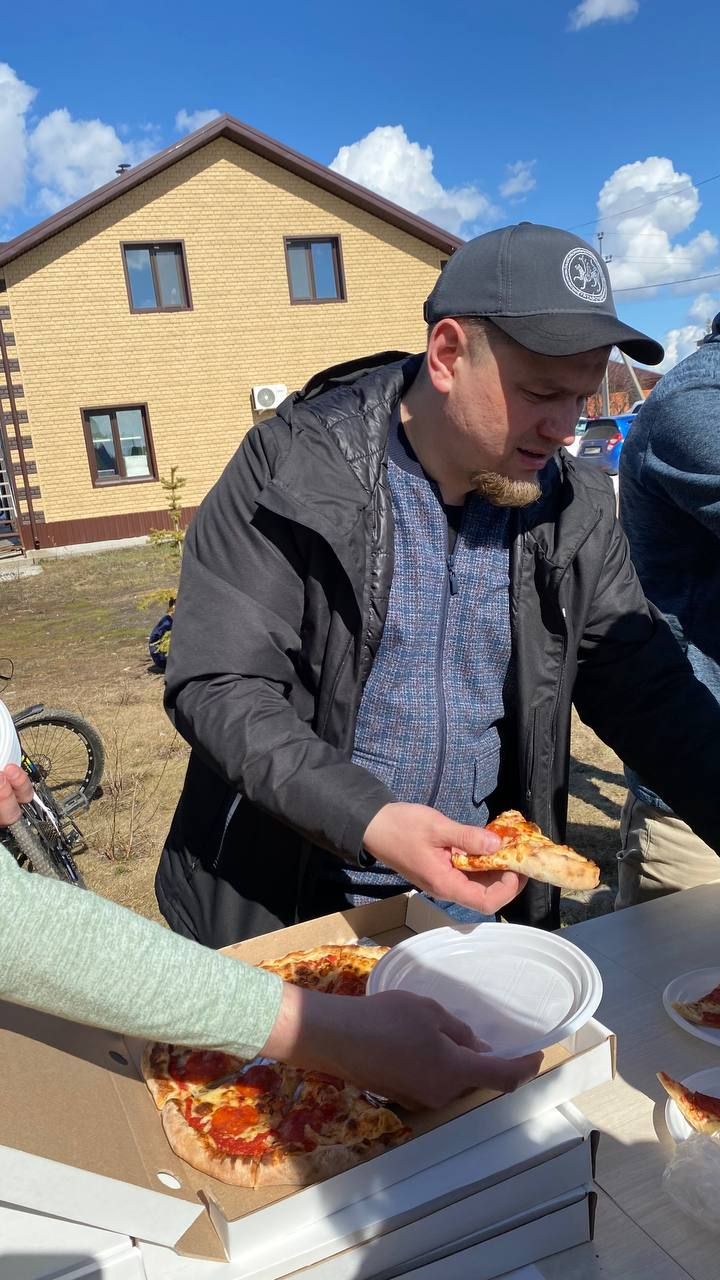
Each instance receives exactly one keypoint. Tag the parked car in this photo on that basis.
(579, 433)
(603, 439)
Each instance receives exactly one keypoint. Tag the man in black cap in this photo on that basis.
(392, 598)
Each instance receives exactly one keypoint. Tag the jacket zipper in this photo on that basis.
(450, 589)
(556, 709)
(530, 757)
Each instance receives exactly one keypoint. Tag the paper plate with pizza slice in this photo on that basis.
(520, 989)
(693, 1104)
(693, 1001)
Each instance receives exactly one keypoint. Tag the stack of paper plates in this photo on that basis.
(520, 989)
(9, 745)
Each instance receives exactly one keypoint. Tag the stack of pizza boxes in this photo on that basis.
(486, 1185)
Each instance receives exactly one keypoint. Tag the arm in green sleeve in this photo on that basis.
(73, 954)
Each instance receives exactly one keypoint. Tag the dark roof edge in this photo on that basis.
(227, 127)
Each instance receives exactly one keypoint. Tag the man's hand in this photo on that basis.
(401, 1046)
(417, 841)
(15, 789)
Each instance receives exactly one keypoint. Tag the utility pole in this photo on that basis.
(636, 382)
(606, 378)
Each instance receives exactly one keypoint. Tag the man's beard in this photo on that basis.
(501, 491)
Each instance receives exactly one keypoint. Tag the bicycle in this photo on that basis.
(45, 837)
(66, 750)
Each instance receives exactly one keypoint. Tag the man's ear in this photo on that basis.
(447, 344)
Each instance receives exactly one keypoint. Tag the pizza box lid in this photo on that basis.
(82, 1137)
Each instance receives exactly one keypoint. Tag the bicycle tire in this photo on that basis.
(52, 835)
(67, 750)
(25, 841)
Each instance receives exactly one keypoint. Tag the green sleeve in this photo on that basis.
(68, 952)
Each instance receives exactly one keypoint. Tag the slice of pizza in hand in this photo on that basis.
(528, 852)
(701, 1110)
(704, 1012)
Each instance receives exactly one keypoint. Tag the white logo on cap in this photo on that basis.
(584, 275)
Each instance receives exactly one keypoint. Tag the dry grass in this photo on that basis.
(78, 640)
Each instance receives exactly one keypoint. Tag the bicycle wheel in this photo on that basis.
(67, 751)
(42, 851)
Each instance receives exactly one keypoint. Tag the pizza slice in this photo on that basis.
(701, 1110)
(704, 1012)
(337, 970)
(528, 852)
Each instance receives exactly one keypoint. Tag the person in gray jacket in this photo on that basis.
(390, 601)
(670, 511)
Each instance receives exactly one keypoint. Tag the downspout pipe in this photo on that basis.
(18, 437)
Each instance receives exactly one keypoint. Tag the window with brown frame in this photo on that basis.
(314, 268)
(119, 445)
(156, 276)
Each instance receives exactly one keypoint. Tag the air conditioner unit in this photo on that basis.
(268, 395)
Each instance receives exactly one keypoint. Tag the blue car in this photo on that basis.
(603, 439)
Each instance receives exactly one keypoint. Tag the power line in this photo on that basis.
(665, 284)
(690, 186)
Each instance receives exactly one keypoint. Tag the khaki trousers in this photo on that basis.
(659, 855)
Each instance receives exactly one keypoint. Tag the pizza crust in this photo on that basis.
(307, 1167)
(352, 958)
(155, 1066)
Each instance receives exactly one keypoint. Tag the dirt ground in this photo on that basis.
(77, 636)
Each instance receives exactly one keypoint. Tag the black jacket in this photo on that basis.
(285, 582)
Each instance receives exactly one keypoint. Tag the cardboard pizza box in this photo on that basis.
(34, 1247)
(518, 1241)
(81, 1138)
(512, 1175)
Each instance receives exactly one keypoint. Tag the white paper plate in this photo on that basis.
(520, 989)
(9, 745)
(685, 989)
(703, 1082)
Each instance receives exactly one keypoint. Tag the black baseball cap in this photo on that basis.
(545, 288)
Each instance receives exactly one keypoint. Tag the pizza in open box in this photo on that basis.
(260, 1123)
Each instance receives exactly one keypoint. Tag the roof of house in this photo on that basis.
(227, 127)
(619, 378)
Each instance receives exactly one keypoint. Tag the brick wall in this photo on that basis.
(79, 345)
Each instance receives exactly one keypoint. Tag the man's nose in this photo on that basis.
(558, 427)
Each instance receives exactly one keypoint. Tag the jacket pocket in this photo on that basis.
(231, 811)
(478, 790)
(529, 763)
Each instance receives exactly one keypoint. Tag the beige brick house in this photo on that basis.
(138, 325)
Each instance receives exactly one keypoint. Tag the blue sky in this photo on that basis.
(474, 114)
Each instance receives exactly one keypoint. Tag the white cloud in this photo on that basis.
(60, 158)
(387, 162)
(704, 308)
(71, 157)
(679, 343)
(520, 179)
(590, 11)
(15, 100)
(641, 239)
(189, 121)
